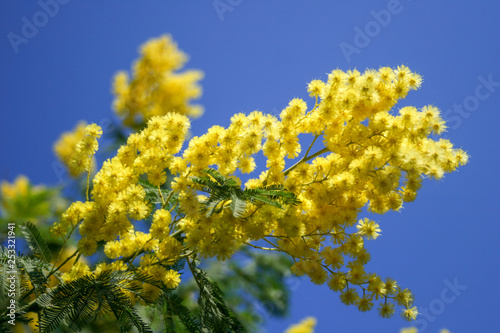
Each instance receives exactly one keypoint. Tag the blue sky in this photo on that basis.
(258, 55)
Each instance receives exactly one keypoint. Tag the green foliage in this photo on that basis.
(36, 272)
(36, 204)
(215, 316)
(77, 304)
(35, 241)
(85, 299)
(74, 304)
(263, 278)
(153, 196)
(28, 269)
(254, 286)
(21, 318)
(211, 314)
(223, 189)
(176, 316)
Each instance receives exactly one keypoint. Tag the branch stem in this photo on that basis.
(305, 159)
(261, 248)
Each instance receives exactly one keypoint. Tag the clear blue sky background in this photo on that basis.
(260, 55)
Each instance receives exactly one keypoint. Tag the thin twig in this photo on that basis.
(305, 159)
(161, 196)
(261, 248)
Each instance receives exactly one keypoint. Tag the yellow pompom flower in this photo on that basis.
(386, 310)
(409, 330)
(315, 88)
(410, 313)
(171, 279)
(247, 164)
(368, 228)
(77, 271)
(365, 304)
(159, 228)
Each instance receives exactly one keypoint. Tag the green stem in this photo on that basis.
(176, 233)
(161, 196)
(54, 269)
(136, 253)
(309, 149)
(305, 159)
(261, 248)
(88, 177)
(168, 198)
(195, 276)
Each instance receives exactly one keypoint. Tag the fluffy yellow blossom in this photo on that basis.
(75, 149)
(349, 296)
(155, 88)
(410, 314)
(368, 229)
(77, 271)
(365, 303)
(159, 228)
(386, 310)
(171, 279)
(315, 88)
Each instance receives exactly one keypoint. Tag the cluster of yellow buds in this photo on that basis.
(155, 87)
(370, 157)
(75, 149)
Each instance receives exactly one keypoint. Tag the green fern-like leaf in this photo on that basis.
(223, 181)
(36, 242)
(222, 189)
(275, 193)
(215, 316)
(34, 271)
(174, 312)
(86, 298)
(238, 203)
(152, 194)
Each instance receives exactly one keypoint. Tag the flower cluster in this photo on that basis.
(75, 149)
(22, 201)
(19, 187)
(119, 199)
(370, 157)
(155, 87)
